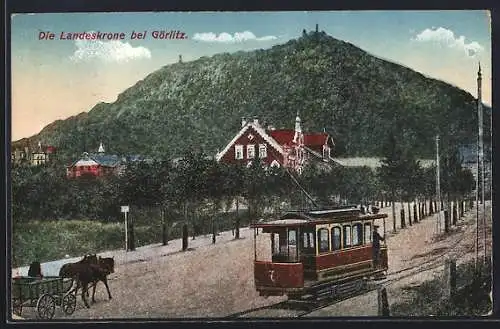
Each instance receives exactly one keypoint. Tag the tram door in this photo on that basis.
(307, 252)
(284, 245)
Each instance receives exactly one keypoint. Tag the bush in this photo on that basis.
(470, 300)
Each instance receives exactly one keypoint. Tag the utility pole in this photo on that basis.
(481, 153)
(438, 188)
(478, 151)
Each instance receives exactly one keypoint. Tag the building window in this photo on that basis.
(336, 242)
(323, 241)
(262, 151)
(238, 152)
(250, 151)
(347, 236)
(357, 234)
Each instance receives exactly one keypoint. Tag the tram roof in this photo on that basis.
(313, 217)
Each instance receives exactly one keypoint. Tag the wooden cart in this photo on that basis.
(43, 293)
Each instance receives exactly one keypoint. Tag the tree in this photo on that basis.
(456, 181)
(190, 184)
(215, 190)
(398, 173)
(253, 187)
(233, 189)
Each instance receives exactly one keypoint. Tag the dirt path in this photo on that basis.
(217, 280)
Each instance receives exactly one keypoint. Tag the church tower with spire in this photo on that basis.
(298, 140)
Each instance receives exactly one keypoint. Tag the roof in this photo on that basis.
(102, 159)
(282, 136)
(259, 130)
(83, 162)
(323, 216)
(106, 160)
(315, 139)
(287, 221)
(285, 136)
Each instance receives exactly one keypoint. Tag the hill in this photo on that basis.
(336, 86)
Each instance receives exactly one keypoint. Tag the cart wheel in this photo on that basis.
(69, 303)
(46, 306)
(17, 307)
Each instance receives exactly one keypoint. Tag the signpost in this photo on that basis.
(125, 210)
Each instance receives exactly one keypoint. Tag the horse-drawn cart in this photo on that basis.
(44, 294)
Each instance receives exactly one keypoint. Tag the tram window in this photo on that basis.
(308, 238)
(323, 240)
(276, 243)
(368, 233)
(292, 237)
(357, 234)
(336, 243)
(347, 236)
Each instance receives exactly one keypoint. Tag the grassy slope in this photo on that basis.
(52, 240)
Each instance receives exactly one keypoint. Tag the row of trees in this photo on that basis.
(405, 180)
(195, 187)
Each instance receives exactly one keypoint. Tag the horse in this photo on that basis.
(107, 265)
(66, 270)
(90, 270)
(69, 270)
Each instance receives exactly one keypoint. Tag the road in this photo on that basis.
(217, 280)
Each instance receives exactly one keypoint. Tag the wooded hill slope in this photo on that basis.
(336, 86)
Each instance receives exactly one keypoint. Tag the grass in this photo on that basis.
(51, 240)
(471, 299)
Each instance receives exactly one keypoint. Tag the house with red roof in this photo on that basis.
(96, 165)
(289, 148)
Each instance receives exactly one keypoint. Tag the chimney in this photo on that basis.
(316, 28)
(180, 58)
(255, 121)
(243, 122)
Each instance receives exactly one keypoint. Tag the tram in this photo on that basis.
(303, 252)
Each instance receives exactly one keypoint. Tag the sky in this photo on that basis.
(55, 79)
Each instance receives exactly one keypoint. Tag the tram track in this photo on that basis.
(391, 278)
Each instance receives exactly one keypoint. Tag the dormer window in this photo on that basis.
(250, 151)
(238, 152)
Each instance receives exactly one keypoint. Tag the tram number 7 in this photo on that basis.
(272, 276)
